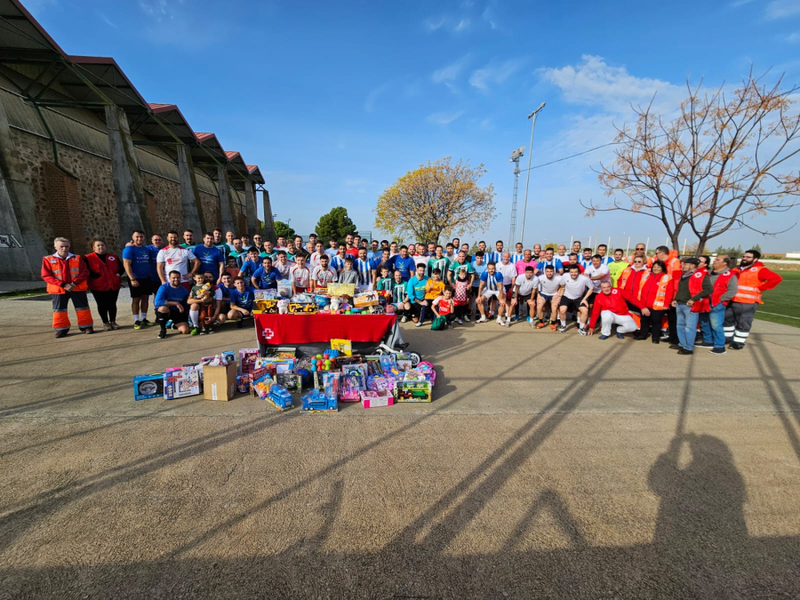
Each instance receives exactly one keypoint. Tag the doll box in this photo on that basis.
(370, 399)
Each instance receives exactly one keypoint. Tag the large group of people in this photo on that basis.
(199, 286)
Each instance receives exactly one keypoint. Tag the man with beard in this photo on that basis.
(754, 278)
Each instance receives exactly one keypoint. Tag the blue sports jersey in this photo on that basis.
(167, 293)
(140, 260)
(556, 263)
(337, 263)
(153, 264)
(248, 268)
(243, 299)
(406, 266)
(493, 256)
(493, 282)
(415, 288)
(364, 270)
(585, 263)
(607, 260)
(515, 257)
(267, 279)
(209, 259)
(479, 270)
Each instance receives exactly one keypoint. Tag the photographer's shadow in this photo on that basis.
(701, 536)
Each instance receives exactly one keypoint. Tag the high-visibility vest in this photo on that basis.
(623, 279)
(74, 263)
(749, 286)
(661, 294)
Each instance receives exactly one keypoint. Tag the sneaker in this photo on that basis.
(482, 320)
(553, 326)
(541, 325)
(583, 331)
(137, 324)
(515, 318)
(674, 346)
(620, 336)
(500, 321)
(147, 323)
(206, 331)
(403, 319)
(685, 352)
(704, 345)
(562, 328)
(162, 334)
(114, 325)
(194, 331)
(418, 324)
(459, 321)
(106, 326)
(718, 351)
(88, 330)
(449, 325)
(604, 337)
(736, 346)
(170, 324)
(239, 323)
(62, 334)
(466, 318)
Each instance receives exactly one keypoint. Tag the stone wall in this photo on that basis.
(210, 205)
(167, 196)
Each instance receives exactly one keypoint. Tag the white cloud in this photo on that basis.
(793, 38)
(738, 3)
(489, 17)
(449, 23)
(447, 75)
(107, 21)
(781, 9)
(444, 118)
(595, 83)
(372, 97)
(496, 74)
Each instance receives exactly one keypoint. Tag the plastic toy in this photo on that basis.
(280, 397)
(371, 399)
(316, 401)
(283, 306)
(349, 389)
(412, 391)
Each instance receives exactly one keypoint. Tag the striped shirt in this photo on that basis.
(515, 258)
(494, 257)
(364, 269)
(337, 263)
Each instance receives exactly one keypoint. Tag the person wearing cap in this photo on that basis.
(691, 299)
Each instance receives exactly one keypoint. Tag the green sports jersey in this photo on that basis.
(399, 292)
(456, 267)
(384, 284)
(443, 264)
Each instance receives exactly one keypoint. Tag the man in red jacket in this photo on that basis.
(66, 275)
(610, 306)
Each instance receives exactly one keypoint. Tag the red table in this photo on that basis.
(275, 330)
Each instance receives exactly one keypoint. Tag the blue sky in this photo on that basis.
(335, 100)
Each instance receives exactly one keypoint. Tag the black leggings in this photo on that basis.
(653, 320)
(461, 311)
(107, 304)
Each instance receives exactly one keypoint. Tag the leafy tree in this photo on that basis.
(283, 230)
(437, 199)
(714, 167)
(336, 224)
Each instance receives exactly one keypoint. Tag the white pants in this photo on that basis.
(624, 323)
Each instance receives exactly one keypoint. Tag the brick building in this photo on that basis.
(83, 154)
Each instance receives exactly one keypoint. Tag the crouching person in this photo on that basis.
(610, 306)
(171, 304)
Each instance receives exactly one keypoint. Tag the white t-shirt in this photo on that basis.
(283, 268)
(591, 271)
(176, 259)
(575, 288)
(323, 276)
(564, 258)
(526, 286)
(301, 277)
(509, 272)
(548, 287)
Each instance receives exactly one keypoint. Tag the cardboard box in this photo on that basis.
(148, 386)
(370, 399)
(412, 391)
(343, 346)
(220, 383)
(181, 382)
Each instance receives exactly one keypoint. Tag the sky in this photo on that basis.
(336, 100)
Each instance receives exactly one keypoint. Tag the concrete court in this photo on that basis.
(548, 466)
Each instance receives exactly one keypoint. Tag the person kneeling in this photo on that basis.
(242, 300)
(610, 306)
(171, 304)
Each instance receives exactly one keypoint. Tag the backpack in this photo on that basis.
(439, 323)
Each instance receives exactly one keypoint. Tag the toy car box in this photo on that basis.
(303, 308)
(316, 401)
(371, 399)
(148, 386)
(219, 383)
(412, 391)
(365, 299)
(267, 306)
(280, 397)
(293, 382)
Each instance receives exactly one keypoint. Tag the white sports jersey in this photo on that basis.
(175, 259)
(508, 271)
(575, 288)
(601, 270)
(548, 287)
(526, 286)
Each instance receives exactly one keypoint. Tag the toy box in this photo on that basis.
(403, 361)
(268, 294)
(303, 308)
(341, 289)
(267, 306)
(342, 346)
(359, 371)
(365, 299)
(181, 382)
(243, 383)
(260, 383)
(412, 391)
(277, 365)
(148, 386)
(380, 383)
(316, 401)
(280, 397)
(219, 382)
(247, 359)
(370, 399)
(331, 383)
(291, 381)
(349, 387)
(284, 288)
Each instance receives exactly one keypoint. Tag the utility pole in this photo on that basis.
(515, 156)
(528, 175)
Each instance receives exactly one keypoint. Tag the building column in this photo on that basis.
(269, 223)
(192, 211)
(131, 205)
(250, 208)
(225, 208)
(21, 243)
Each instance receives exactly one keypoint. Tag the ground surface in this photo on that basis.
(548, 466)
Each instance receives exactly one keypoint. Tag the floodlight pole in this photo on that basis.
(528, 174)
(513, 229)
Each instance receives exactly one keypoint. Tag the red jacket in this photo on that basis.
(613, 302)
(650, 290)
(57, 272)
(104, 274)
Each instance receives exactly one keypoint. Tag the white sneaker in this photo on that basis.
(500, 321)
(459, 321)
(482, 320)
(466, 318)
(404, 319)
(417, 324)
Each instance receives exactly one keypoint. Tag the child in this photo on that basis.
(443, 306)
(348, 274)
(232, 267)
(461, 288)
(435, 286)
(242, 300)
(400, 297)
(383, 285)
(201, 305)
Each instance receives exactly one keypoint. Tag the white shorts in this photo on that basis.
(490, 294)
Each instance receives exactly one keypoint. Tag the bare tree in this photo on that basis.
(714, 167)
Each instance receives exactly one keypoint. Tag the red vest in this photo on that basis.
(695, 287)
(720, 287)
(53, 264)
(108, 270)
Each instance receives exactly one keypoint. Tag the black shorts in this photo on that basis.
(547, 299)
(572, 305)
(590, 299)
(178, 316)
(146, 287)
(521, 298)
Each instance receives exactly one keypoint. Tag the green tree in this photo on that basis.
(335, 224)
(283, 230)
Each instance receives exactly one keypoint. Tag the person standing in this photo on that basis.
(655, 298)
(104, 281)
(754, 278)
(691, 299)
(672, 264)
(405, 264)
(171, 304)
(188, 239)
(724, 287)
(174, 258)
(616, 267)
(66, 276)
(212, 259)
(136, 262)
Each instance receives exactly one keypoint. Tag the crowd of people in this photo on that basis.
(198, 286)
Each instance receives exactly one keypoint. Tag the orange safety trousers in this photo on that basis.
(61, 314)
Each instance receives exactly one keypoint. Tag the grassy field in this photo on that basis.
(784, 300)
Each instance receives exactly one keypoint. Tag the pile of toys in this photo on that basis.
(340, 299)
(320, 381)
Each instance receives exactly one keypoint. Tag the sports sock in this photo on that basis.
(563, 322)
(194, 317)
(161, 319)
(142, 316)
